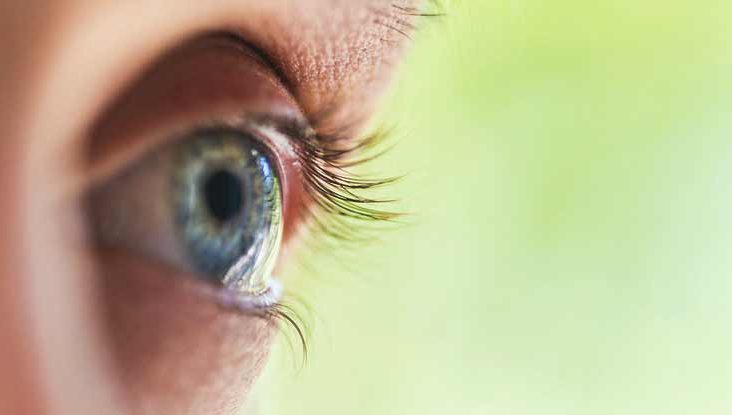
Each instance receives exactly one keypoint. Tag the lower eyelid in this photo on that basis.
(157, 279)
(166, 331)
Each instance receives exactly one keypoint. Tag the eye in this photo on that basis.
(208, 168)
(208, 203)
(197, 170)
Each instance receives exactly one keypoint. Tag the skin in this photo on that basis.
(89, 331)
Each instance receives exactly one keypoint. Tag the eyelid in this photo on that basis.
(213, 80)
(206, 83)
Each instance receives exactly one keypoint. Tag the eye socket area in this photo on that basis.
(210, 82)
(167, 327)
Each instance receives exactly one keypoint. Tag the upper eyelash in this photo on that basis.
(327, 161)
(337, 208)
(339, 192)
(332, 187)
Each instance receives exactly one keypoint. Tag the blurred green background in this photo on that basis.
(568, 166)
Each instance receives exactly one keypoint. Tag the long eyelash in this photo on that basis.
(333, 188)
(337, 203)
(282, 313)
(432, 8)
(328, 158)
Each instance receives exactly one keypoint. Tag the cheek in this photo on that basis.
(177, 351)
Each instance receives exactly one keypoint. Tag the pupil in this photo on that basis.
(223, 194)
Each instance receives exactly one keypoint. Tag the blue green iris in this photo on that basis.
(227, 205)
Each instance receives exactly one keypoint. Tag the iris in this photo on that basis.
(226, 199)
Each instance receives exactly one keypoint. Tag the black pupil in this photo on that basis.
(223, 195)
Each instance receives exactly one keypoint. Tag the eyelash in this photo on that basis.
(404, 25)
(327, 159)
(333, 188)
(338, 213)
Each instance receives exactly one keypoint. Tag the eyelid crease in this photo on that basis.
(160, 107)
(250, 49)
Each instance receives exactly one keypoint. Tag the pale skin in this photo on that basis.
(102, 332)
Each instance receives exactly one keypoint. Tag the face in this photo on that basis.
(160, 163)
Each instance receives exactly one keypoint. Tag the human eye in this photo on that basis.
(209, 204)
(204, 196)
(216, 174)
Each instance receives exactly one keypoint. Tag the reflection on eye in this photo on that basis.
(209, 203)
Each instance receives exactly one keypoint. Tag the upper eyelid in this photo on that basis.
(255, 124)
(296, 129)
(152, 133)
(274, 60)
(314, 119)
(277, 61)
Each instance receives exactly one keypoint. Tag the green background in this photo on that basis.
(568, 167)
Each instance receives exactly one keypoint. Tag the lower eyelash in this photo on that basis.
(282, 313)
(267, 305)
